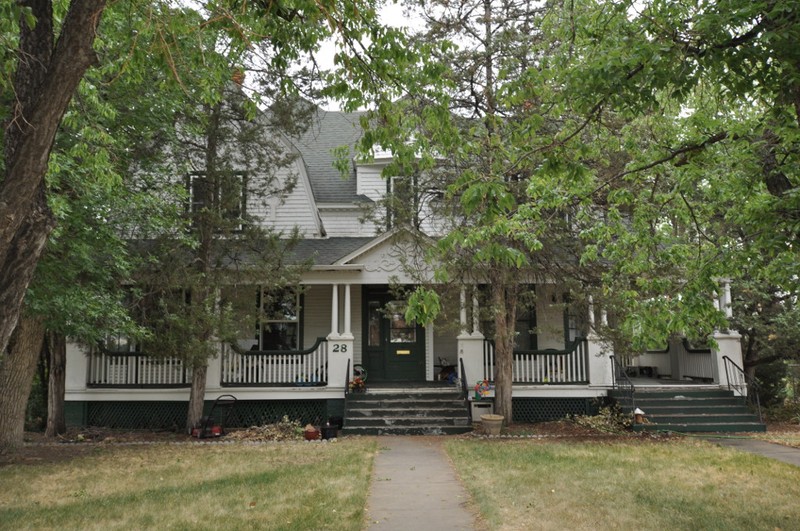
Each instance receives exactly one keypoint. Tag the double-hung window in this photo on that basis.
(279, 325)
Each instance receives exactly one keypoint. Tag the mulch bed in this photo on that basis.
(81, 442)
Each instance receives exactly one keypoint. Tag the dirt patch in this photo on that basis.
(81, 442)
(39, 449)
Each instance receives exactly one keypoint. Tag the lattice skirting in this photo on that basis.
(543, 409)
(172, 415)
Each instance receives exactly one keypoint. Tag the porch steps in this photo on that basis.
(422, 411)
(695, 410)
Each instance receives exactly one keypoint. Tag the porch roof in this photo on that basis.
(327, 251)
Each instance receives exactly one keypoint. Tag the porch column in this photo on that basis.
(470, 344)
(340, 346)
(463, 311)
(334, 312)
(476, 318)
(728, 344)
(601, 373)
(347, 313)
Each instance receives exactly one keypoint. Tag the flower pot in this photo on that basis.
(492, 424)
(311, 435)
(328, 432)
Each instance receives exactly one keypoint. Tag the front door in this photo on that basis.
(394, 350)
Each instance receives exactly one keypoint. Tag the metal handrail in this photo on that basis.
(747, 386)
(464, 387)
(622, 383)
(347, 379)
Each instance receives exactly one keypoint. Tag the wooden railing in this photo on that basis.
(695, 362)
(109, 369)
(567, 366)
(287, 368)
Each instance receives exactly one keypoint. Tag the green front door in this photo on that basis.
(394, 350)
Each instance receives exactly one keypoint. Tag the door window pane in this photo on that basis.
(374, 324)
(400, 331)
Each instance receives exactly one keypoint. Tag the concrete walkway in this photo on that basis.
(415, 488)
(786, 454)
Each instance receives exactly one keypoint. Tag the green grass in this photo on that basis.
(668, 485)
(273, 486)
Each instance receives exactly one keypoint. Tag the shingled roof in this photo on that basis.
(329, 130)
(327, 251)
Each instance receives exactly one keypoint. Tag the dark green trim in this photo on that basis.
(171, 415)
(545, 409)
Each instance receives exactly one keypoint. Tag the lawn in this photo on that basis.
(682, 484)
(190, 486)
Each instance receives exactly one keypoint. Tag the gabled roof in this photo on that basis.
(327, 251)
(329, 130)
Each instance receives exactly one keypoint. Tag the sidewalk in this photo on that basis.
(415, 488)
(786, 454)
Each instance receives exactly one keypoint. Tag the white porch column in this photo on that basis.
(334, 312)
(600, 371)
(340, 346)
(470, 345)
(728, 344)
(476, 317)
(348, 333)
(463, 311)
(214, 372)
(77, 369)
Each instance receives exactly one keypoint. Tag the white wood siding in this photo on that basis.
(296, 209)
(369, 181)
(345, 222)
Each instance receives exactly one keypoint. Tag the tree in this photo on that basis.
(49, 61)
(709, 137)
(468, 135)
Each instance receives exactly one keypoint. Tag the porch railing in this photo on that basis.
(567, 366)
(109, 369)
(287, 368)
(623, 385)
(741, 384)
(696, 362)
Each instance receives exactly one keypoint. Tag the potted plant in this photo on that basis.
(357, 385)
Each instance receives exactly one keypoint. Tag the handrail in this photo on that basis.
(622, 382)
(347, 379)
(692, 350)
(747, 386)
(464, 387)
(305, 352)
(570, 348)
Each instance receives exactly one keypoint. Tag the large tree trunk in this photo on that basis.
(504, 303)
(44, 81)
(196, 397)
(56, 386)
(17, 368)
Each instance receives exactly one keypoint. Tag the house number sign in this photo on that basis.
(339, 347)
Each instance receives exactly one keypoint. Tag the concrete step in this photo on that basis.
(703, 427)
(356, 412)
(406, 412)
(691, 408)
(702, 418)
(407, 421)
(406, 430)
(671, 393)
(643, 402)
